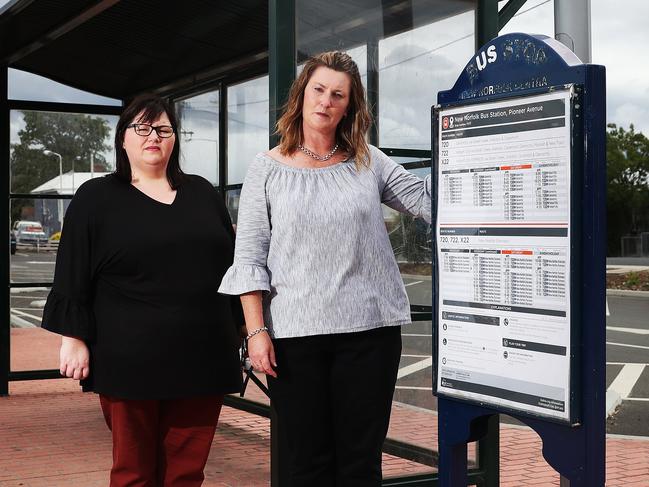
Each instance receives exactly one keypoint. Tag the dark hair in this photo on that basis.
(351, 130)
(151, 107)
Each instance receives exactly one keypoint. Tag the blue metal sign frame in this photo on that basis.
(576, 171)
(517, 65)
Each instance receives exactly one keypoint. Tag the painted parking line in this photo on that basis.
(627, 345)
(416, 367)
(637, 331)
(624, 363)
(18, 290)
(414, 388)
(413, 283)
(626, 379)
(17, 322)
(26, 315)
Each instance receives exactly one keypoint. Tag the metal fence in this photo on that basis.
(635, 245)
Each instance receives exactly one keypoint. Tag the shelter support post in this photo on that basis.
(373, 88)
(223, 141)
(5, 335)
(486, 22)
(489, 453)
(282, 55)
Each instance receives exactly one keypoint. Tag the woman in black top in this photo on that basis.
(142, 255)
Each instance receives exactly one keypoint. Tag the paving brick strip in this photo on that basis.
(53, 435)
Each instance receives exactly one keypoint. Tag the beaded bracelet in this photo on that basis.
(256, 332)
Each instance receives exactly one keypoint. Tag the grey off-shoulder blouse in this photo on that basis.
(315, 241)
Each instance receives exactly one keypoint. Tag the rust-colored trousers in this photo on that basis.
(160, 443)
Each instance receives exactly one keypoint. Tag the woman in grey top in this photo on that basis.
(321, 291)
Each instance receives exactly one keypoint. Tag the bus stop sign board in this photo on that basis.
(519, 268)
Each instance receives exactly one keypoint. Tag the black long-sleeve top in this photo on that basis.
(137, 280)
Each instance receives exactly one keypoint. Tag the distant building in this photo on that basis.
(50, 212)
(66, 183)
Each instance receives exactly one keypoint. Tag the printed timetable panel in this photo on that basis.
(503, 253)
(506, 163)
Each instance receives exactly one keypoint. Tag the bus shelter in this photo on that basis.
(227, 66)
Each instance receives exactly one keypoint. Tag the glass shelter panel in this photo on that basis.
(35, 234)
(411, 240)
(53, 153)
(232, 203)
(32, 87)
(39, 347)
(198, 134)
(413, 67)
(537, 13)
(247, 125)
(34, 243)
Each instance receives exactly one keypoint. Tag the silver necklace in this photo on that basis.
(324, 158)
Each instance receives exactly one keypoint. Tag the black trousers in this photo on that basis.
(333, 397)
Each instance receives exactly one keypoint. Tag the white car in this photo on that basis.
(29, 232)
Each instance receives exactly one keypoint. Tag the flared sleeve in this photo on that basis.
(249, 271)
(401, 190)
(68, 310)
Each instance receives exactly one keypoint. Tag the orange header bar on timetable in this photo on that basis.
(518, 166)
(517, 252)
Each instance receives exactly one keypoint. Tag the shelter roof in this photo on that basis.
(119, 48)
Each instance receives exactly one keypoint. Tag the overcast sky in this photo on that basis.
(430, 57)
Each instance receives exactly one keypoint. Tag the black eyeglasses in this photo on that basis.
(145, 129)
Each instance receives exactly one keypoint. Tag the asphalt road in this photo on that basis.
(627, 369)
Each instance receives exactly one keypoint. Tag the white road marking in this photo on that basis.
(637, 331)
(38, 303)
(626, 379)
(18, 290)
(415, 356)
(16, 322)
(628, 345)
(414, 388)
(640, 399)
(40, 262)
(608, 313)
(416, 367)
(22, 313)
(413, 283)
(416, 335)
(624, 363)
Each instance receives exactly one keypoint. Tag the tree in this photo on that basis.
(627, 164)
(74, 136)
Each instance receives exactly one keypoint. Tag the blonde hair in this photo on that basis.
(351, 130)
